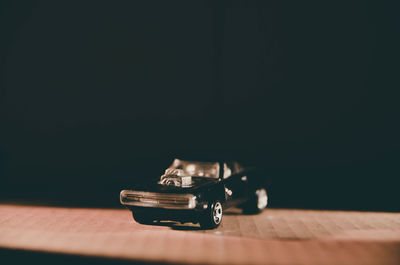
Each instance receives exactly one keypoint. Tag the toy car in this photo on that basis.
(196, 192)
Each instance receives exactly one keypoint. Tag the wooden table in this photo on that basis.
(277, 236)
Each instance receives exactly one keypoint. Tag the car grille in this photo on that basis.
(158, 200)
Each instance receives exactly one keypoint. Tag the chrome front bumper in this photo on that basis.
(157, 200)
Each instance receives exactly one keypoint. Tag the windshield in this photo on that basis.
(197, 169)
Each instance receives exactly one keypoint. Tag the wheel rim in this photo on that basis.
(262, 198)
(217, 213)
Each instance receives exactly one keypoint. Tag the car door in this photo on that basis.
(235, 188)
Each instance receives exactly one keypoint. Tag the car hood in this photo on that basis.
(198, 184)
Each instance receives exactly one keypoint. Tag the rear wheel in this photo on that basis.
(257, 203)
(212, 217)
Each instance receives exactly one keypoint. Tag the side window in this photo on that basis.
(236, 167)
(227, 171)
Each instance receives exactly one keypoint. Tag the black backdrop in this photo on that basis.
(98, 95)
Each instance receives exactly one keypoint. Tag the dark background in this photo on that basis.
(96, 96)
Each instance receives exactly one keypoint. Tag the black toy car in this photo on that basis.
(196, 192)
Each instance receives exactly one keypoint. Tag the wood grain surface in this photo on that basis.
(277, 236)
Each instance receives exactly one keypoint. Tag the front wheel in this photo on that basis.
(212, 217)
(257, 203)
(141, 218)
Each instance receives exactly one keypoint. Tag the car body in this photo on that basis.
(197, 192)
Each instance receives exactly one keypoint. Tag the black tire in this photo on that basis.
(142, 218)
(257, 202)
(212, 217)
